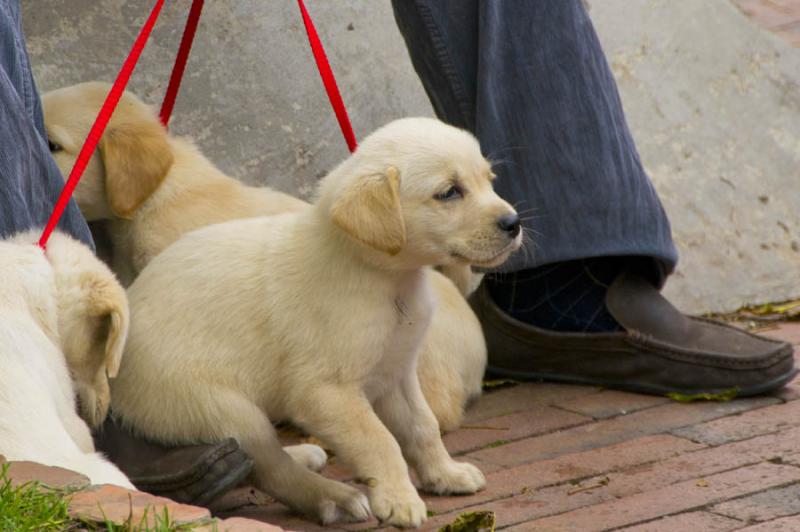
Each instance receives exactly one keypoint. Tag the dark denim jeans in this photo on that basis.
(529, 79)
(30, 181)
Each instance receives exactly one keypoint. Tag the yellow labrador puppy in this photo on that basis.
(63, 324)
(317, 317)
(153, 188)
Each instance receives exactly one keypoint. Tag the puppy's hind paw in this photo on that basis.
(454, 478)
(347, 504)
(310, 456)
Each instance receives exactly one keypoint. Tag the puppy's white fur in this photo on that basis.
(152, 188)
(62, 313)
(317, 317)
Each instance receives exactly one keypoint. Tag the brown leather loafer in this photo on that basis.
(191, 474)
(659, 351)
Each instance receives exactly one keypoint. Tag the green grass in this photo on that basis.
(155, 522)
(33, 507)
(30, 507)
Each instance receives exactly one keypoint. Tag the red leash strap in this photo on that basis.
(101, 122)
(111, 101)
(180, 61)
(328, 79)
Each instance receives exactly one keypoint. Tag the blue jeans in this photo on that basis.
(30, 181)
(530, 80)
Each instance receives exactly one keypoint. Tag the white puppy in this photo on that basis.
(317, 317)
(62, 312)
(151, 188)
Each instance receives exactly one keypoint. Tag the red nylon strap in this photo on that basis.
(101, 122)
(180, 61)
(328, 79)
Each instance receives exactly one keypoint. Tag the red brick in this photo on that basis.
(690, 521)
(771, 13)
(704, 462)
(764, 506)
(611, 403)
(279, 515)
(700, 464)
(791, 34)
(762, 421)
(787, 331)
(787, 524)
(792, 458)
(791, 391)
(605, 432)
(536, 420)
(238, 497)
(22, 472)
(507, 482)
(335, 470)
(118, 505)
(504, 401)
(528, 506)
(240, 524)
(671, 499)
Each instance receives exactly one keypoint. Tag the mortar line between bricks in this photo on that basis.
(670, 430)
(744, 523)
(709, 445)
(643, 409)
(580, 479)
(589, 421)
(701, 507)
(622, 469)
(744, 496)
(704, 507)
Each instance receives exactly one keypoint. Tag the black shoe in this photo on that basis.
(192, 474)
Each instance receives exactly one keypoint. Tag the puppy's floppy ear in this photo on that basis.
(136, 157)
(109, 306)
(369, 211)
(118, 321)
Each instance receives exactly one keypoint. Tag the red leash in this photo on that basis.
(180, 61)
(101, 122)
(328, 79)
(111, 101)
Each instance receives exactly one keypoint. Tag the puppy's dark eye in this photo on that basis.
(54, 146)
(453, 192)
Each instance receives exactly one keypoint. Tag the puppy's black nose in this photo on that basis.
(510, 224)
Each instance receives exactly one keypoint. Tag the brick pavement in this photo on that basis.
(561, 457)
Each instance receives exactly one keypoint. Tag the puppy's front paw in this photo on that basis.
(397, 505)
(455, 478)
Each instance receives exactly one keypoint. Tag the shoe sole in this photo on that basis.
(750, 391)
(230, 480)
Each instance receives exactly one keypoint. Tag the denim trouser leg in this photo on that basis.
(529, 78)
(30, 181)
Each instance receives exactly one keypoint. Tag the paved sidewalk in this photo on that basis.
(561, 457)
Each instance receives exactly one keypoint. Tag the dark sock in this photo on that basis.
(566, 296)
